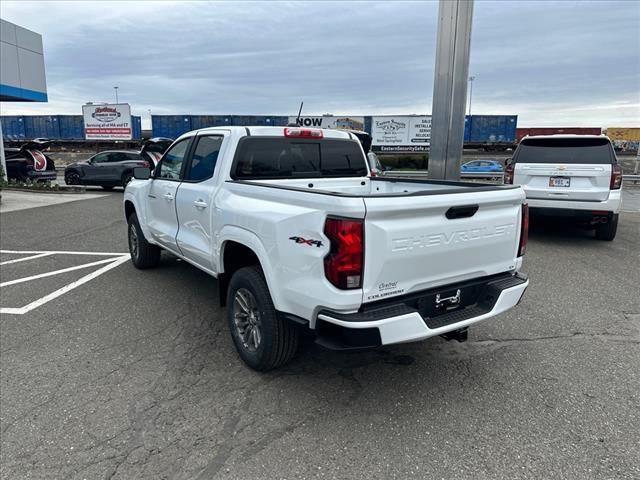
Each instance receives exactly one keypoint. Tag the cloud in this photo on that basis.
(551, 63)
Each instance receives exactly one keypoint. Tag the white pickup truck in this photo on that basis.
(300, 236)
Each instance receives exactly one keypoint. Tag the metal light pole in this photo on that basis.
(450, 88)
(471, 79)
(116, 89)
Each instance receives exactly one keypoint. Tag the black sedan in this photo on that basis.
(29, 164)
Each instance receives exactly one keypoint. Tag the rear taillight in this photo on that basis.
(296, 132)
(616, 177)
(524, 230)
(508, 173)
(343, 265)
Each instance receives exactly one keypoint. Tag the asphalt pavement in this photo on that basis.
(111, 372)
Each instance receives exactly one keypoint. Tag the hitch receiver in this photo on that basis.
(460, 335)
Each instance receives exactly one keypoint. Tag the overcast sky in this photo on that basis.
(552, 63)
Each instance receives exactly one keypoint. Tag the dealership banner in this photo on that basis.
(107, 122)
(401, 134)
(330, 121)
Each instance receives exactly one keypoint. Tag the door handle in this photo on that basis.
(200, 204)
(168, 197)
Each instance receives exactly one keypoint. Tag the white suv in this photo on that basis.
(570, 175)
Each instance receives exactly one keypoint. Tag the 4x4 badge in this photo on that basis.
(306, 241)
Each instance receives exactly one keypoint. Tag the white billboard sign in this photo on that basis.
(107, 122)
(401, 134)
(330, 121)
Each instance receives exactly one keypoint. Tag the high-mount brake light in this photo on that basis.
(296, 132)
(343, 265)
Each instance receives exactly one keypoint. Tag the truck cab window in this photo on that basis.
(205, 156)
(171, 164)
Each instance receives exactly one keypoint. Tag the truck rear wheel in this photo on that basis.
(263, 340)
(607, 231)
(143, 254)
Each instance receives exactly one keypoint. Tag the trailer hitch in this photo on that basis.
(460, 335)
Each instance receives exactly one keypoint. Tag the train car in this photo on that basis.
(41, 126)
(523, 132)
(13, 127)
(170, 126)
(490, 132)
(625, 139)
(71, 127)
(204, 121)
(259, 120)
(136, 124)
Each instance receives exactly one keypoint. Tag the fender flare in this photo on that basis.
(252, 241)
(142, 217)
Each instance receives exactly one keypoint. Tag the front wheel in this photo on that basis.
(262, 338)
(607, 231)
(143, 254)
(72, 178)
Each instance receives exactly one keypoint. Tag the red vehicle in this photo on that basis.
(523, 132)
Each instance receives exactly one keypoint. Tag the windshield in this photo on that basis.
(571, 150)
(279, 157)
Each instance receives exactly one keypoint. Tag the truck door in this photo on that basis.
(194, 200)
(162, 220)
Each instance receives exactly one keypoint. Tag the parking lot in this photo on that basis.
(112, 372)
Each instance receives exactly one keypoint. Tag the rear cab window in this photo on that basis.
(281, 158)
(565, 150)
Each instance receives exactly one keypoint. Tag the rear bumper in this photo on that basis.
(405, 320)
(611, 204)
(42, 175)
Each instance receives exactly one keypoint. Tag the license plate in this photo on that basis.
(559, 181)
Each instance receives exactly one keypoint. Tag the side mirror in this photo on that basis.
(142, 173)
(507, 161)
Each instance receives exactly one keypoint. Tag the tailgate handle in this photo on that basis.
(464, 211)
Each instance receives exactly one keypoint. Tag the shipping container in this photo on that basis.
(71, 127)
(41, 126)
(490, 130)
(136, 127)
(205, 121)
(523, 132)
(170, 126)
(630, 134)
(13, 127)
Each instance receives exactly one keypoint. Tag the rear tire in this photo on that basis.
(143, 254)
(250, 308)
(607, 231)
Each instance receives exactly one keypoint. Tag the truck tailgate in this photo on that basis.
(418, 242)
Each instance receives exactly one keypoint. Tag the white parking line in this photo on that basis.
(61, 252)
(57, 272)
(115, 260)
(24, 259)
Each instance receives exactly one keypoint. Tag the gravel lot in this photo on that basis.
(133, 375)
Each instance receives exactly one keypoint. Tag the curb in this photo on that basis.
(63, 189)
